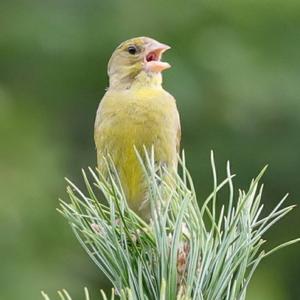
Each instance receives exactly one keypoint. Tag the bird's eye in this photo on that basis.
(132, 50)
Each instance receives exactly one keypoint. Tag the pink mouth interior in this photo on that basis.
(152, 56)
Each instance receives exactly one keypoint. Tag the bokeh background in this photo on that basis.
(236, 77)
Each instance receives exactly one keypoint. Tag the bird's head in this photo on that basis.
(137, 58)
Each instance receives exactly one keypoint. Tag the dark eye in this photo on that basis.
(132, 50)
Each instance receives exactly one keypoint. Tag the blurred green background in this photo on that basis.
(236, 77)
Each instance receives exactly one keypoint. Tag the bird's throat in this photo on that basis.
(142, 79)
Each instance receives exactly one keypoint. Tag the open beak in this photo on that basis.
(154, 51)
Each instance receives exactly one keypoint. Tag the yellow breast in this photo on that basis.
(142, 117)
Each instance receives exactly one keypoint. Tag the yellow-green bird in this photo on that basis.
(136, 112)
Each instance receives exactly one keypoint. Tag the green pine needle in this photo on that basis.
(186, 251)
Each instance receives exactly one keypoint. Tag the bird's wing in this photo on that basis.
(100, 136)
(178, 138)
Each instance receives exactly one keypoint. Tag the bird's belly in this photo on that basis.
(137, 128)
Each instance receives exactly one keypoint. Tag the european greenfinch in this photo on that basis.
(137, 113)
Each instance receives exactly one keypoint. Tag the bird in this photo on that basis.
(137, 113)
